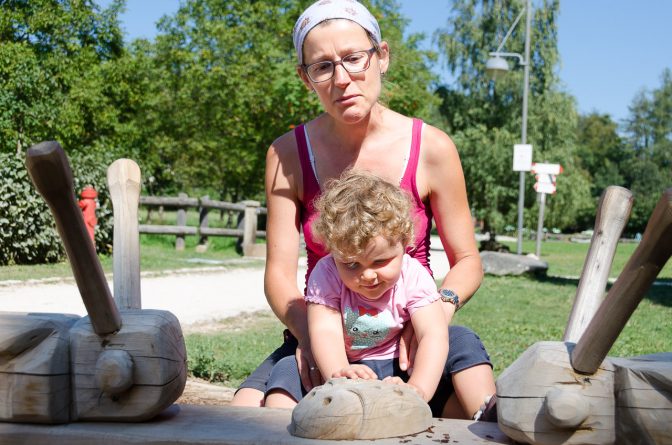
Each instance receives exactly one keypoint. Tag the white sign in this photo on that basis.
(549, 169)
(545, 187)
(545, 179)
(522, 157)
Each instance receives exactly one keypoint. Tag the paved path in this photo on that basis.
(193, 295)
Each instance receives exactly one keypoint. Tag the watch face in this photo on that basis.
(448, 296)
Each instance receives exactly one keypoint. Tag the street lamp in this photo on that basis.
(496, 66)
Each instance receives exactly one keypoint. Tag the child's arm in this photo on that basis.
(429, 323)
(325, 328)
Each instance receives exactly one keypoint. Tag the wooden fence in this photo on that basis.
(246, 229)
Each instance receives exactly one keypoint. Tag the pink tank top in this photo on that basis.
(422, 213)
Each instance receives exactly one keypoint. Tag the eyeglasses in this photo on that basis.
(353, 63)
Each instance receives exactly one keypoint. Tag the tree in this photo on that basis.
(648, 171)
(225, 86)
(47, 87)
(485, 117)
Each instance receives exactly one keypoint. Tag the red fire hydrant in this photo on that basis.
(88, 205)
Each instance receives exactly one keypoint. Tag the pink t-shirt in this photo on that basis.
(372, 328)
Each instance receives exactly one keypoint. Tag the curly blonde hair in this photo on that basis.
(356, 208)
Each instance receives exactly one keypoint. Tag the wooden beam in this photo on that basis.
(50, 171)
(626, 293)
(613, 212)
(123, 181)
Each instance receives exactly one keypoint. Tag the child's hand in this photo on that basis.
(397, 381)
(356, 372)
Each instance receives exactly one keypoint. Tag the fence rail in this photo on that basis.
(246, 229)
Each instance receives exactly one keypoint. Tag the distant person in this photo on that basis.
(362, 294)
(342, 59)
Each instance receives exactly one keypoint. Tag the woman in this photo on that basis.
(342, 59)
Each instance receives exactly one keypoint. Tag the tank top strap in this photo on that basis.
(408, 180)
(310, 186)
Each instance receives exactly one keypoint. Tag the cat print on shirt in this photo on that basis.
(366, 327)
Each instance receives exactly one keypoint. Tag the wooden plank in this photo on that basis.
(123, 181)
(613, 212)
(167, 230)
(224, 425)
(211, 231)
(170, 201)
(50, 171)
(221, 205)
(636, 278)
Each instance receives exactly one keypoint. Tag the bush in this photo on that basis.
(27, 230)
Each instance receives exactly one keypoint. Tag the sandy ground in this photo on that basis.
(193, 295)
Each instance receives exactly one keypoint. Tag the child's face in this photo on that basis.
(375, 270)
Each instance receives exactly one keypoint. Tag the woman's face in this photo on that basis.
(347, 97)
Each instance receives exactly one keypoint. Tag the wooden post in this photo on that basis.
(181, 221)
(250, 224)
(624, 296)
(123, 180)
(50, 171)
(613, 212)
(203, 224)
(540, 223)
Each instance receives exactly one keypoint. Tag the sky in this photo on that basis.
(610, 50)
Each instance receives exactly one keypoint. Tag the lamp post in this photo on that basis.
(495, 67)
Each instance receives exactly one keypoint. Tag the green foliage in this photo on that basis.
(648, 169)
(49, 89)
(485, 119)
(27, 231)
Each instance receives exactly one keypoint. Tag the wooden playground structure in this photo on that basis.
(117, 372)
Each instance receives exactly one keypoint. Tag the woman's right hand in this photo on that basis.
(310, 374)
(356, 372)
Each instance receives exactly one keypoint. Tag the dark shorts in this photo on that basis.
(465, 350)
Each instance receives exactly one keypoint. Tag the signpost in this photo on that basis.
(522, 162)
(545, 174)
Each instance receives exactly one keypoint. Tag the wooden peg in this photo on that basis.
(123, 181)
(639, 273)
(613, 212)
(50, 171)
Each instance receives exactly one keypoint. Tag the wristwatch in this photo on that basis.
(448, 296)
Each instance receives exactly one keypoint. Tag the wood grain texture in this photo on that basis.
(343, 409)
(636, 278)
(613, 212)
(35, 367)
(154, 341)
(123, 181)
(50, 171)
(226, 425)
(523, 397)
(644, 398)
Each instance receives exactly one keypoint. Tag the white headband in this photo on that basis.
(323, 10)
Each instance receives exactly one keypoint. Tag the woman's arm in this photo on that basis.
(430, 330)
(282, 248)
(444, 183)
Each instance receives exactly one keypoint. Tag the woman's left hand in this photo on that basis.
(408, 345)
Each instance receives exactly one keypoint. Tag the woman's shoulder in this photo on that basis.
(436, 144)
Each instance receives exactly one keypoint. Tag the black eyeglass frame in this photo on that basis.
(369, 52)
